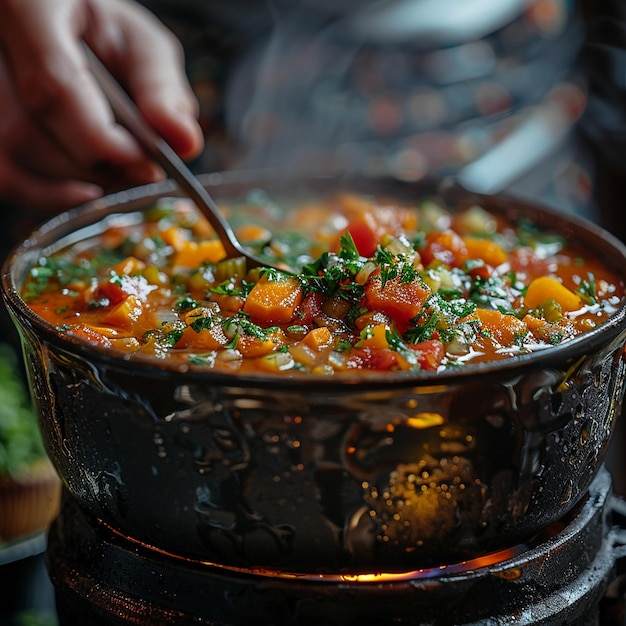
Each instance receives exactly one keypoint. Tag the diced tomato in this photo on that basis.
(429, 353)
(382, 359)
(446, 247)
(391, 217)
(486, 249)
(402, 301)
(365, 233)
(111, 291)
(117, 290)
(310, 309)
(482, 271)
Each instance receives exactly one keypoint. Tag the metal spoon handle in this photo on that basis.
(129, 116)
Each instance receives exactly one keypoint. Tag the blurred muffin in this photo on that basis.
(29, 486)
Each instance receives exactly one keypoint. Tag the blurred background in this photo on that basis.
(490, 91)
(522, 97)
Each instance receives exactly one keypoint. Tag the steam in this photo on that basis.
(410, 88)
(287, 103)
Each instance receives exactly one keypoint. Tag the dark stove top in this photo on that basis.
(572, 574)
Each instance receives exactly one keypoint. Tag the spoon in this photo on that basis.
(128, 115)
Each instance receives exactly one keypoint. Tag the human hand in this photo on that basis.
(59, 143)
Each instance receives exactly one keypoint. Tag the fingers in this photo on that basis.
(149, 62)
(42, 195)
(54, 86)
(37, 173)
(41, 42)
(26, 148)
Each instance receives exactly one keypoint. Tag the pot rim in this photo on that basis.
(62, 226)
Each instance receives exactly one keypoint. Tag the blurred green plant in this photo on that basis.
(36, 618)
(20, 439)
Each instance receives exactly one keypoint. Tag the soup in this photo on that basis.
(384, 285)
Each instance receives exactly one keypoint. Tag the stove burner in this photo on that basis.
(104, 579)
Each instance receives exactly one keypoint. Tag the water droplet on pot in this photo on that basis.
(585, 433)
(567, 494)
(513, 573)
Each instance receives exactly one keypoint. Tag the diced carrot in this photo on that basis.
(275, 362)
(194, 253)
(274, 301)
(251, 233)
(318, 339)
(130, 265)
(202, 228)
(174, 237)
(107, 331)
(112, 238)
(533, 323)
(546, 288)
(303, 355)
(212, 338)
(408, 218)
(251, 346)
(126, 344)
(124, 314)
(376, 337)
(313, 349)
(155, 276)
(486, 249)
(352, 204)
(505, 329)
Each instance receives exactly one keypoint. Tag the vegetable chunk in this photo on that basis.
(545, 288)
(274, 298)
(385, 286)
